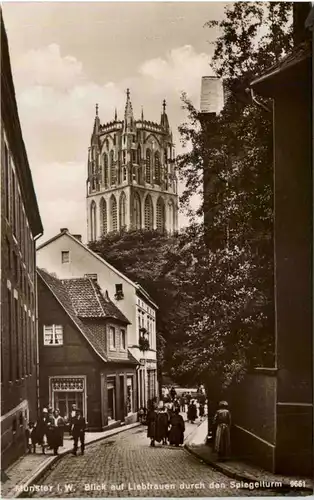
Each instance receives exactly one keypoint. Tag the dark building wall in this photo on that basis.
(253, 409)
(20, 224)
(294, 285)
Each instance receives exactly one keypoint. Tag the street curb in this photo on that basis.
(242, 477)
(55, 458)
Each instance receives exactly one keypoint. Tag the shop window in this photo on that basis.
(53, 335)
(129, 395)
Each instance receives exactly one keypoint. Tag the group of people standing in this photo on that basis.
(48, 431)
(165, 424)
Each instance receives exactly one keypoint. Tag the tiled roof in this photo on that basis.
(60, 291)
(89, 301)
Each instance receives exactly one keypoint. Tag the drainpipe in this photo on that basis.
(36, 325)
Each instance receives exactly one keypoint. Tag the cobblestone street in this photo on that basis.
(126, 466)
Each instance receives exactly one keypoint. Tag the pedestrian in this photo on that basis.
(182, 402)
(57, 430)
(151, 422)
(192, 412)
(42, 430)
(176, 434)
(71, 418)
(173, 393)
(31, 437)
(162, 424)
(78, 431)
(202, 410)
(222, 423)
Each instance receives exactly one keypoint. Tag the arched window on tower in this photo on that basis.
(112, 168)
(148, 209)
(139, 155)
(122, 211)
(148, 166)
(103, 217)
(171, 217)
(160, 215)
(137, 215)
(105, 171)
(93, 221)
(157, 172)
(113, 213)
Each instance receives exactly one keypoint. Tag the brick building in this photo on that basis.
(132, 181)
(20, 227)
(83, 352)
(67, 257)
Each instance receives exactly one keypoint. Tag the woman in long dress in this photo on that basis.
(152, 423)
(176, 434)
(57, 430)
(162, 423)
(222, 423)
(192, 412)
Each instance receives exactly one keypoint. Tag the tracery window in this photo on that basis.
(137, 211)
(122, 210)
(113, 213)
(160, 215)
(105, 171)
(157, 172)
(103, 217)
(93, 221)
(112, 168)
(171, 217)
(148, 166)
(148, 210)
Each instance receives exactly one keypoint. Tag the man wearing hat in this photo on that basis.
(42, 430)
(78, 431)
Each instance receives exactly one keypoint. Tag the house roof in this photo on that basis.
(89, 301)
(299, 55)
(60, 292)
(137, 287)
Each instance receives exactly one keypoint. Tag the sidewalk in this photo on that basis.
(30, 467)
(240, 471)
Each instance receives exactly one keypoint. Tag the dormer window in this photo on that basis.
(119, 291)
(65, 257)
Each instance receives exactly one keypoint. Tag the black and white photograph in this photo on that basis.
(156, 249)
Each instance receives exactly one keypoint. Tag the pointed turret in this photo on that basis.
(164, 122)
(115, 115)
(96, 127)
(128, 114)
(142, 115)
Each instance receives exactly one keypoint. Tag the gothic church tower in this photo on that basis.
(132, 181)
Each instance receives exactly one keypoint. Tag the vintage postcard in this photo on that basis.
(156, 249)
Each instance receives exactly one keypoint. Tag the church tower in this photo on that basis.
(131, 181)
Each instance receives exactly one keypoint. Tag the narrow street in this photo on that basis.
(126, 466)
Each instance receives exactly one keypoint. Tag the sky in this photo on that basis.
(68, 56)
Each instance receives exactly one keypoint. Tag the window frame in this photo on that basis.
(112, 338)
(63, 253)
(123, 344)
(54, 336)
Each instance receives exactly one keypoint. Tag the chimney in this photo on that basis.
(301, 11)
(211, 95)
(63, 229)
(77, 237)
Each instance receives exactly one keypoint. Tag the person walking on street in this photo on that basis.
(192, 412)
(42, 430)
(162, 423)
(173, 393)
(176, 434)
(78, 431)
(222, 423)
(57, 429)
(152, 423)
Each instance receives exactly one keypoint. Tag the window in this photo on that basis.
(112, 168)
(160, 215)
(13, 198)
(122, 210)
(53, 335)
(137, 212)
(105, 173)
(123, 340)
(147, 169)
(148, 212)
(10, 336)
(129, 394)
(157, 169)
(65, 257)
(93, 221)
(112, 338)
(17, 339)
(113, 213)
(103, 216)
(119, 291)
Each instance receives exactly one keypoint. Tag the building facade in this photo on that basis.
(67, 257)
(131, 181)
(20, 227)
(83, 352)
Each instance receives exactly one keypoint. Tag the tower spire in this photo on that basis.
(142, 114)
(96, 121)
(128, 114)
(115, 115)
(96, 109)
(164, 118)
